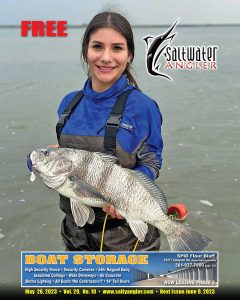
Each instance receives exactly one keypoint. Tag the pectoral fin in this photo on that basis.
(82, 213)
(139, 228)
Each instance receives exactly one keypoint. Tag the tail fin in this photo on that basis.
(187, 240)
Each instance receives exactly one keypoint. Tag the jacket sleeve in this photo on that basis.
(149, 152)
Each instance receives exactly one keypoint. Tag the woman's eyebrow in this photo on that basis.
(99, 42)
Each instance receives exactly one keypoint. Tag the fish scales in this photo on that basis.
(109, 182)
(92, 176)
(92, 179)
(124, 200)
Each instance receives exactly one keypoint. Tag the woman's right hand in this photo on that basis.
(109, 208)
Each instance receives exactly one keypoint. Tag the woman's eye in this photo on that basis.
(97, 46)
(117, 48)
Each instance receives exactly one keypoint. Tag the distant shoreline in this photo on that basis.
(140, 25)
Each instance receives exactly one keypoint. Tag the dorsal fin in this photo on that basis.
(107, 158)
(154, 189)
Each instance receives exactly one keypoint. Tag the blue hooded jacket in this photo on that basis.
(140, 128)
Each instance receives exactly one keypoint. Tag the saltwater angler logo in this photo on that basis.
(177, 57)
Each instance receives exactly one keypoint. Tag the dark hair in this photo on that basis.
(117, 22)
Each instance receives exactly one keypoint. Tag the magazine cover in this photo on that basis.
(119, 149)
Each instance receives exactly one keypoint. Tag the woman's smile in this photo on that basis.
(105, 69)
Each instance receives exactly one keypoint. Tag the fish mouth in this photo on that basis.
(31, 161)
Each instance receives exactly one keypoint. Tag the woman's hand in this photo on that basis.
(109, 208)
(53, 146)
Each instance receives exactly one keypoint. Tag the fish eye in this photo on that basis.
(45, 152)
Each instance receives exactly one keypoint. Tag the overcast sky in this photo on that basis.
(160, 12)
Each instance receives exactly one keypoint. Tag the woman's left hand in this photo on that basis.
(53, 146)
(109, 208)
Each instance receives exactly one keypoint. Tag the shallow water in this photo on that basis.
(200, 129)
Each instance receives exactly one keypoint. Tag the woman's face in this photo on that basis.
(107, 57)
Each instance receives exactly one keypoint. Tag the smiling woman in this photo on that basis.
(110, 115)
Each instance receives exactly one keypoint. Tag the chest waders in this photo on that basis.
(111, 130)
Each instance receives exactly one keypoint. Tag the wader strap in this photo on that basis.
(113, 123)
(67, 113)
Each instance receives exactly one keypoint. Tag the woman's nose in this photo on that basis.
(106, 55)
